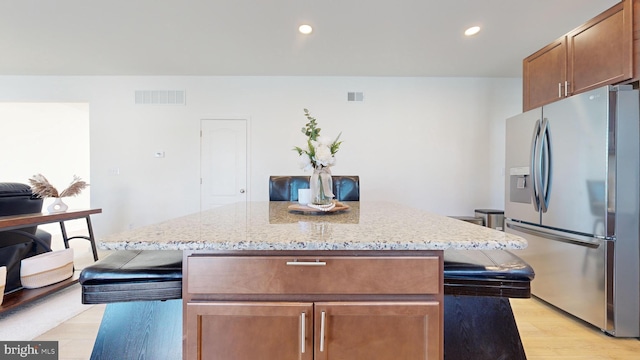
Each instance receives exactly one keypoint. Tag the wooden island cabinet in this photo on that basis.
(354, 306)
(597, 53)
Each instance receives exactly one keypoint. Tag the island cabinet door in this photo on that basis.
(380, 331)
(249, 330)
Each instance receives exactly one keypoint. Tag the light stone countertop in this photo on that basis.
(271, 226)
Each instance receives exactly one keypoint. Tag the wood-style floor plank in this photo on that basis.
(551, 334)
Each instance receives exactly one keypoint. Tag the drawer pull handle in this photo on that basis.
(303, 335)
(307, 263)
(322, 323)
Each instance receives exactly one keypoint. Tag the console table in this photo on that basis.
(8, 223)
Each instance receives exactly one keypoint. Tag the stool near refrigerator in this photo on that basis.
(492, 218)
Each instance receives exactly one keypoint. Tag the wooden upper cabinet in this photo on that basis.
(601, 51)
(544, 74)
(597, 53)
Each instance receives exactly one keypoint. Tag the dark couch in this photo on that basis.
(18, 244)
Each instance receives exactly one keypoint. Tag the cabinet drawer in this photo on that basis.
(313, 275)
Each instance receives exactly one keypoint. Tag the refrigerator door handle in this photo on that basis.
(545, 153)
(534, 174)
(553, 236)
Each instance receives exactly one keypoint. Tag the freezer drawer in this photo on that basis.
(571, 273)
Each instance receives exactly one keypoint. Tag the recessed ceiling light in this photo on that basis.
(472, 30)
(305, 29)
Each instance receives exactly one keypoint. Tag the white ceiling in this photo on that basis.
(259, 37)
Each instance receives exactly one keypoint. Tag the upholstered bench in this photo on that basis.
(479, 322)
(143, 292)
(133, 275)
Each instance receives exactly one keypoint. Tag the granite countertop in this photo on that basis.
(271, 226)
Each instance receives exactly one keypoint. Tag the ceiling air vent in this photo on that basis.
(355, 96)
(160, 97)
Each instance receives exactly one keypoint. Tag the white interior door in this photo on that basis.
(223, 162)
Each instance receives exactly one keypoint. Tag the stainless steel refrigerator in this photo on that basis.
(572, 190)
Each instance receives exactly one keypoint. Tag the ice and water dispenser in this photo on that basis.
(520, 185)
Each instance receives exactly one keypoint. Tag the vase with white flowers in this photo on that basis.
(318, 155)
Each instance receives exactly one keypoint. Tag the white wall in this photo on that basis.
(432, 143)
(47, 138)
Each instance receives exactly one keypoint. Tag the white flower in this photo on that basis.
(324, 156)
(323, 140)
(305, 162)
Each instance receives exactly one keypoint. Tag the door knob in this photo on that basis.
(241, 191)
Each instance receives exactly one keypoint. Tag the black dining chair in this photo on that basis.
(285, 188)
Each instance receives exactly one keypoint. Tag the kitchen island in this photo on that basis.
(260, 281)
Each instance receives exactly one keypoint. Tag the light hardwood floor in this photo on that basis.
(76, 336)
(547, 334)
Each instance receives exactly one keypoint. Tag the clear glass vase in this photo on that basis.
(321, 186)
